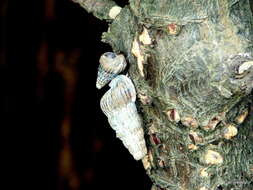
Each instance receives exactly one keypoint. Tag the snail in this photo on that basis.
(110, 66)
(118, 104)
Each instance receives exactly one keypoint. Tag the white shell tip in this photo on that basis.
(98, 86)
(140, 155)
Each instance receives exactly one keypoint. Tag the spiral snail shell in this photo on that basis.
(111, 64)
(118, 104)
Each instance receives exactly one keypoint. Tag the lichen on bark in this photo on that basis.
(191, 94)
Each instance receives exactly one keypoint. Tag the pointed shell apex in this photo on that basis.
(118, 104)
(98, 85)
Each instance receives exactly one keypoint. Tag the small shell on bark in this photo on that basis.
(118, 104)
(111, 64)
(173, 115)
(203, 172)
(230, 131)
(114, 11)
(213, 158)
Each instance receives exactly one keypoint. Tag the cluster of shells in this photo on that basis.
(118, 104)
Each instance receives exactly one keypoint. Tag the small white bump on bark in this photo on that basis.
(245, 67)
(230, 131)
(203, 172)
(213, 158)
(114, 11)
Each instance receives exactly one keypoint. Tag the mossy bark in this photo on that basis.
(197, 109)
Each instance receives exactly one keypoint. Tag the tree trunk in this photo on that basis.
(191, 64)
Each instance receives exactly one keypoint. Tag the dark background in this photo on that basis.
(58, 137)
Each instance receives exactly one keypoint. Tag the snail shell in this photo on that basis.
(118, 104)
(111, 64)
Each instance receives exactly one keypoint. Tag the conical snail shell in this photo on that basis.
(111, 64)
(118, 104)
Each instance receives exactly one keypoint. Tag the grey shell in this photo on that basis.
(118, 104)
(111, 64)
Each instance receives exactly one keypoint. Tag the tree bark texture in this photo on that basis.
(195, 102)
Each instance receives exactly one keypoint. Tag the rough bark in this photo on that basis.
(197, 109)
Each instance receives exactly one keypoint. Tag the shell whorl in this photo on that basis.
(110, 65)
(121, 93)
(118, 104)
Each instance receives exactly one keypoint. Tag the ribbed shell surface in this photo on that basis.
(118, 104)
(111, 64)
(121, 93)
